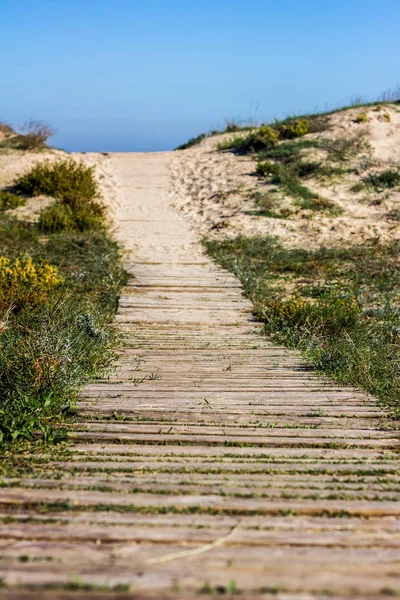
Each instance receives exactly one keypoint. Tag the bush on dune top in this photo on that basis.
(75, 189)
(63, 179)
(267, 136)
(32, 137)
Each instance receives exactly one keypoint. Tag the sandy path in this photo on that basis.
(209, 425)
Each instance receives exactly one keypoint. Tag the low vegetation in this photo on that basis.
(194, 141)
(8, 200)
(64, 179)
(231, 127)
(58, 296)
(77, 207)
(32, 137)
(286, 159)
(338, 306)
(287, 177)
(285, 166)
(72, 215)
(390, 178)
(267, 136)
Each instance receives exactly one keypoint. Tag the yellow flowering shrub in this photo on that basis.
(269, 134)
(294, 129)
(386, 117)
(361, 118)
(24, 283)
(286, 310)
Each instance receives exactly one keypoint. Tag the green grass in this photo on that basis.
(394, 215)
(8, 200)
(343, 149)
(287, 166)
(50, 348)
(287, 151)
(343, 313)
(288, 178)
(284, 164)
(390, 178)
(268, 204)
(48, 352)
(194, 141)
(235, 142)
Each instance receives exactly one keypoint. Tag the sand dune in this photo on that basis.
(212, 187)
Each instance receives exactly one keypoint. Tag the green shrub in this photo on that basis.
(6, 129)
(194, 141)
(71, 215)
(269, 169)
(57, 217)
(293, 129)
(8, 200)
(236, 142)
(45, 356)
(307, 168)
(24, 283)
(287, 177)
(65, 179)
(386, 179)
(231, 126)
(266, 137)
(34, 135)
(330, 315)
(288, 151)
(361, 118)
(267, 202)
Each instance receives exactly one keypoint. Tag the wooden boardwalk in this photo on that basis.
(212, 460)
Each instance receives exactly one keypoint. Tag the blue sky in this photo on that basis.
(145, 75)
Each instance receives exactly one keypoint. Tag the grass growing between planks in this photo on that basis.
(340, 307)
(58, 296)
